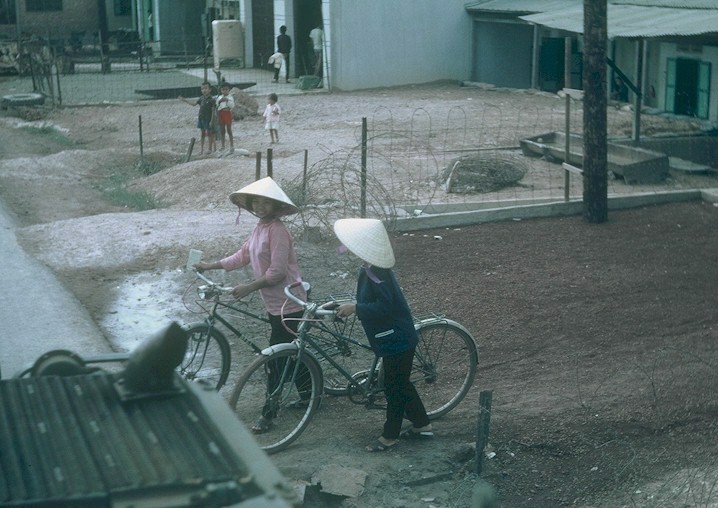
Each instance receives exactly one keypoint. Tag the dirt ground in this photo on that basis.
(598, 342)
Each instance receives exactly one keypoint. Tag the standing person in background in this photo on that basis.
(620, 90)
(205, 118)
(317, 37)
(284, 46)
(271, 117)
(225, 104)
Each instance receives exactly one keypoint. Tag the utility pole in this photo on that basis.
(595, 150)
(104, 35)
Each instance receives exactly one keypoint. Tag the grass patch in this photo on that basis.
(149, 167)
(49, 133)
(115, 190)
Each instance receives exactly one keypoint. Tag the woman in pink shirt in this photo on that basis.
(270, 251)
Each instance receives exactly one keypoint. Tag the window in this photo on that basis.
(123, 7)
(43, 5)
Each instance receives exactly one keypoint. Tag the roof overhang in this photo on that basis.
(634, 21)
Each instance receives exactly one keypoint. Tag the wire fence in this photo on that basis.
(405, 161)
(417, 162)
(79, 72)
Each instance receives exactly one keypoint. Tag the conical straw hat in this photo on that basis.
(367, 239)
(268, 188)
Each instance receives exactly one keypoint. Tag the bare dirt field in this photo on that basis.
(599, 342)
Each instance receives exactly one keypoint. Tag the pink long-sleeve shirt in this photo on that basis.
(270, 251)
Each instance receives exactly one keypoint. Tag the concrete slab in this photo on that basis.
(340, 480)
(37, 313)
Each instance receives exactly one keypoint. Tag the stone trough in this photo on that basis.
(635, 165)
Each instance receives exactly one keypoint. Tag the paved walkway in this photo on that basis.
(120, 85)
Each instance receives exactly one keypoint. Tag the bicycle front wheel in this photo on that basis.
(445, 363)
(208, 356)
(276, 397)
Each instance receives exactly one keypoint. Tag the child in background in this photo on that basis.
(276, 60)
(271, 117)
(205, 117)
(225, 104)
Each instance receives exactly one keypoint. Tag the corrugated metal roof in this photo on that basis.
(536, 6)
(677, 4)
(519, 6)
(634, 21)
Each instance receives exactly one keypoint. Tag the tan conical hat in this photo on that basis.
(267, 188)
(367, 239)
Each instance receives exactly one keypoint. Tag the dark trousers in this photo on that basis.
(280, 335)
(318, 63)
(286, 67)
(401, 396)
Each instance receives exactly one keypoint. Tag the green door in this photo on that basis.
(704, 89)
(670, 85)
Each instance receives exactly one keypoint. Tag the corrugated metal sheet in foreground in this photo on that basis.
(72, 441)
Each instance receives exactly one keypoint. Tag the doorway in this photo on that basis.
(688, 87)
(262, 32)
(552, 65)
(308, 15)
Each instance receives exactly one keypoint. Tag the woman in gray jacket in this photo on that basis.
(387, 322)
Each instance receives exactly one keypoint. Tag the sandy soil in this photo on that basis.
(599, 342)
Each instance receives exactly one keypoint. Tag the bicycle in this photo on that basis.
(285, 382)
(209, 354)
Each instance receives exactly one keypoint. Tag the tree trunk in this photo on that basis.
(595, 159)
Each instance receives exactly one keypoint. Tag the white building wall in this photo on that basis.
(375, 43)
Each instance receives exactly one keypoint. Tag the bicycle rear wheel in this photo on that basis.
(208, 356)
(281, 393)
(445, 363)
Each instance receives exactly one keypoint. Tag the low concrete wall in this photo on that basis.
(701, 149)
(478, 215)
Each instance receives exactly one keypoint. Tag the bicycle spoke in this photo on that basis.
(207, 357)
(444, 366)
(276, 397)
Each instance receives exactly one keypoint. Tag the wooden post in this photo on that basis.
(638, 97)
(304, 176)
(269, 162)
(142, 150)
(566, 85)
(189, 150)
(567, 149)
(362, 204)
(482, 430)
(567, 63)
(595, 148)
(59, 91)
(258, 171)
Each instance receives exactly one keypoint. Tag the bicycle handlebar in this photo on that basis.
(215, 285)
(320, 310)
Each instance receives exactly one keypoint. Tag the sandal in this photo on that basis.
(378, 446)
(410, 433)
(262, 425)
